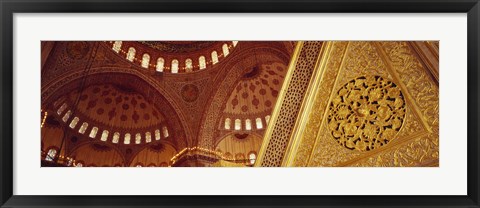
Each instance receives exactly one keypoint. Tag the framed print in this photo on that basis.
(245, 104)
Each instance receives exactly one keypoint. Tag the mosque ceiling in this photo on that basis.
(102, 87)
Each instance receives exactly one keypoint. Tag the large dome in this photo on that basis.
(109, 104)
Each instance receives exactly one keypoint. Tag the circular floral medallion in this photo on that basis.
(366, 113)
(189, 92)
(77, 49)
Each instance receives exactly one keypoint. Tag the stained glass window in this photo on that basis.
(83, 128)
(148, 137)
(238, 124)
(127, 139)
(227, 123)
(165, 132)
(104, 135)
(61, 109)
(51, 154)
(93, 132)
(138, 138)
(202, 62)
(248, 124)
(116, 137)
(188, 65)
(157, 134)
(131, 54)
(214, 57)
(117, 46)
(259, 123)
(252, 157)
(174, 66)
(66, 116)
(225, 50)
(74, 122)
(145, 60)
(160, 64)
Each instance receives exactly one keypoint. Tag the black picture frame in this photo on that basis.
(10, 7)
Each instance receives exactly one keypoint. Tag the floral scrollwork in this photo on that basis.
(366, 113)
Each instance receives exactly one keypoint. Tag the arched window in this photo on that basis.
(138, 166)
(145, 60)
(227, 123)
(225, 50)
(131, 54)
(67, 116)
(234, 43)
(174, 66)
(252, 157)
(157, 134)
(202, 62)
(238, 124)
(188, 65)
(51, 154)
(248, 124)
(74, 122)
(160, 64)
(126, 140)
(148, 137)
(117, 46)
(104, 135)
(116, 137)
(267, 119)
(79, 164)
(61, 109)
(70, 161)
(138, 138)
(83, 128)
(259, 123)
(165, 132)
(214, 57)
(93, 132)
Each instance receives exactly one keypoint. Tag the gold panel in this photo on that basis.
(408, 133)
(366, 113)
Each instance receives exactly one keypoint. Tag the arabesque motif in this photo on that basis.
(366, 113)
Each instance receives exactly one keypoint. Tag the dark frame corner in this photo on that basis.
(9, 7)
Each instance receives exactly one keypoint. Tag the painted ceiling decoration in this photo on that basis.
(98, 109)
(174, 56)
(252, 100)
(112, 113)
(211, 103)
(179, 46)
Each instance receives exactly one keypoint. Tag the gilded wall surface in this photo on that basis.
(367, 104)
